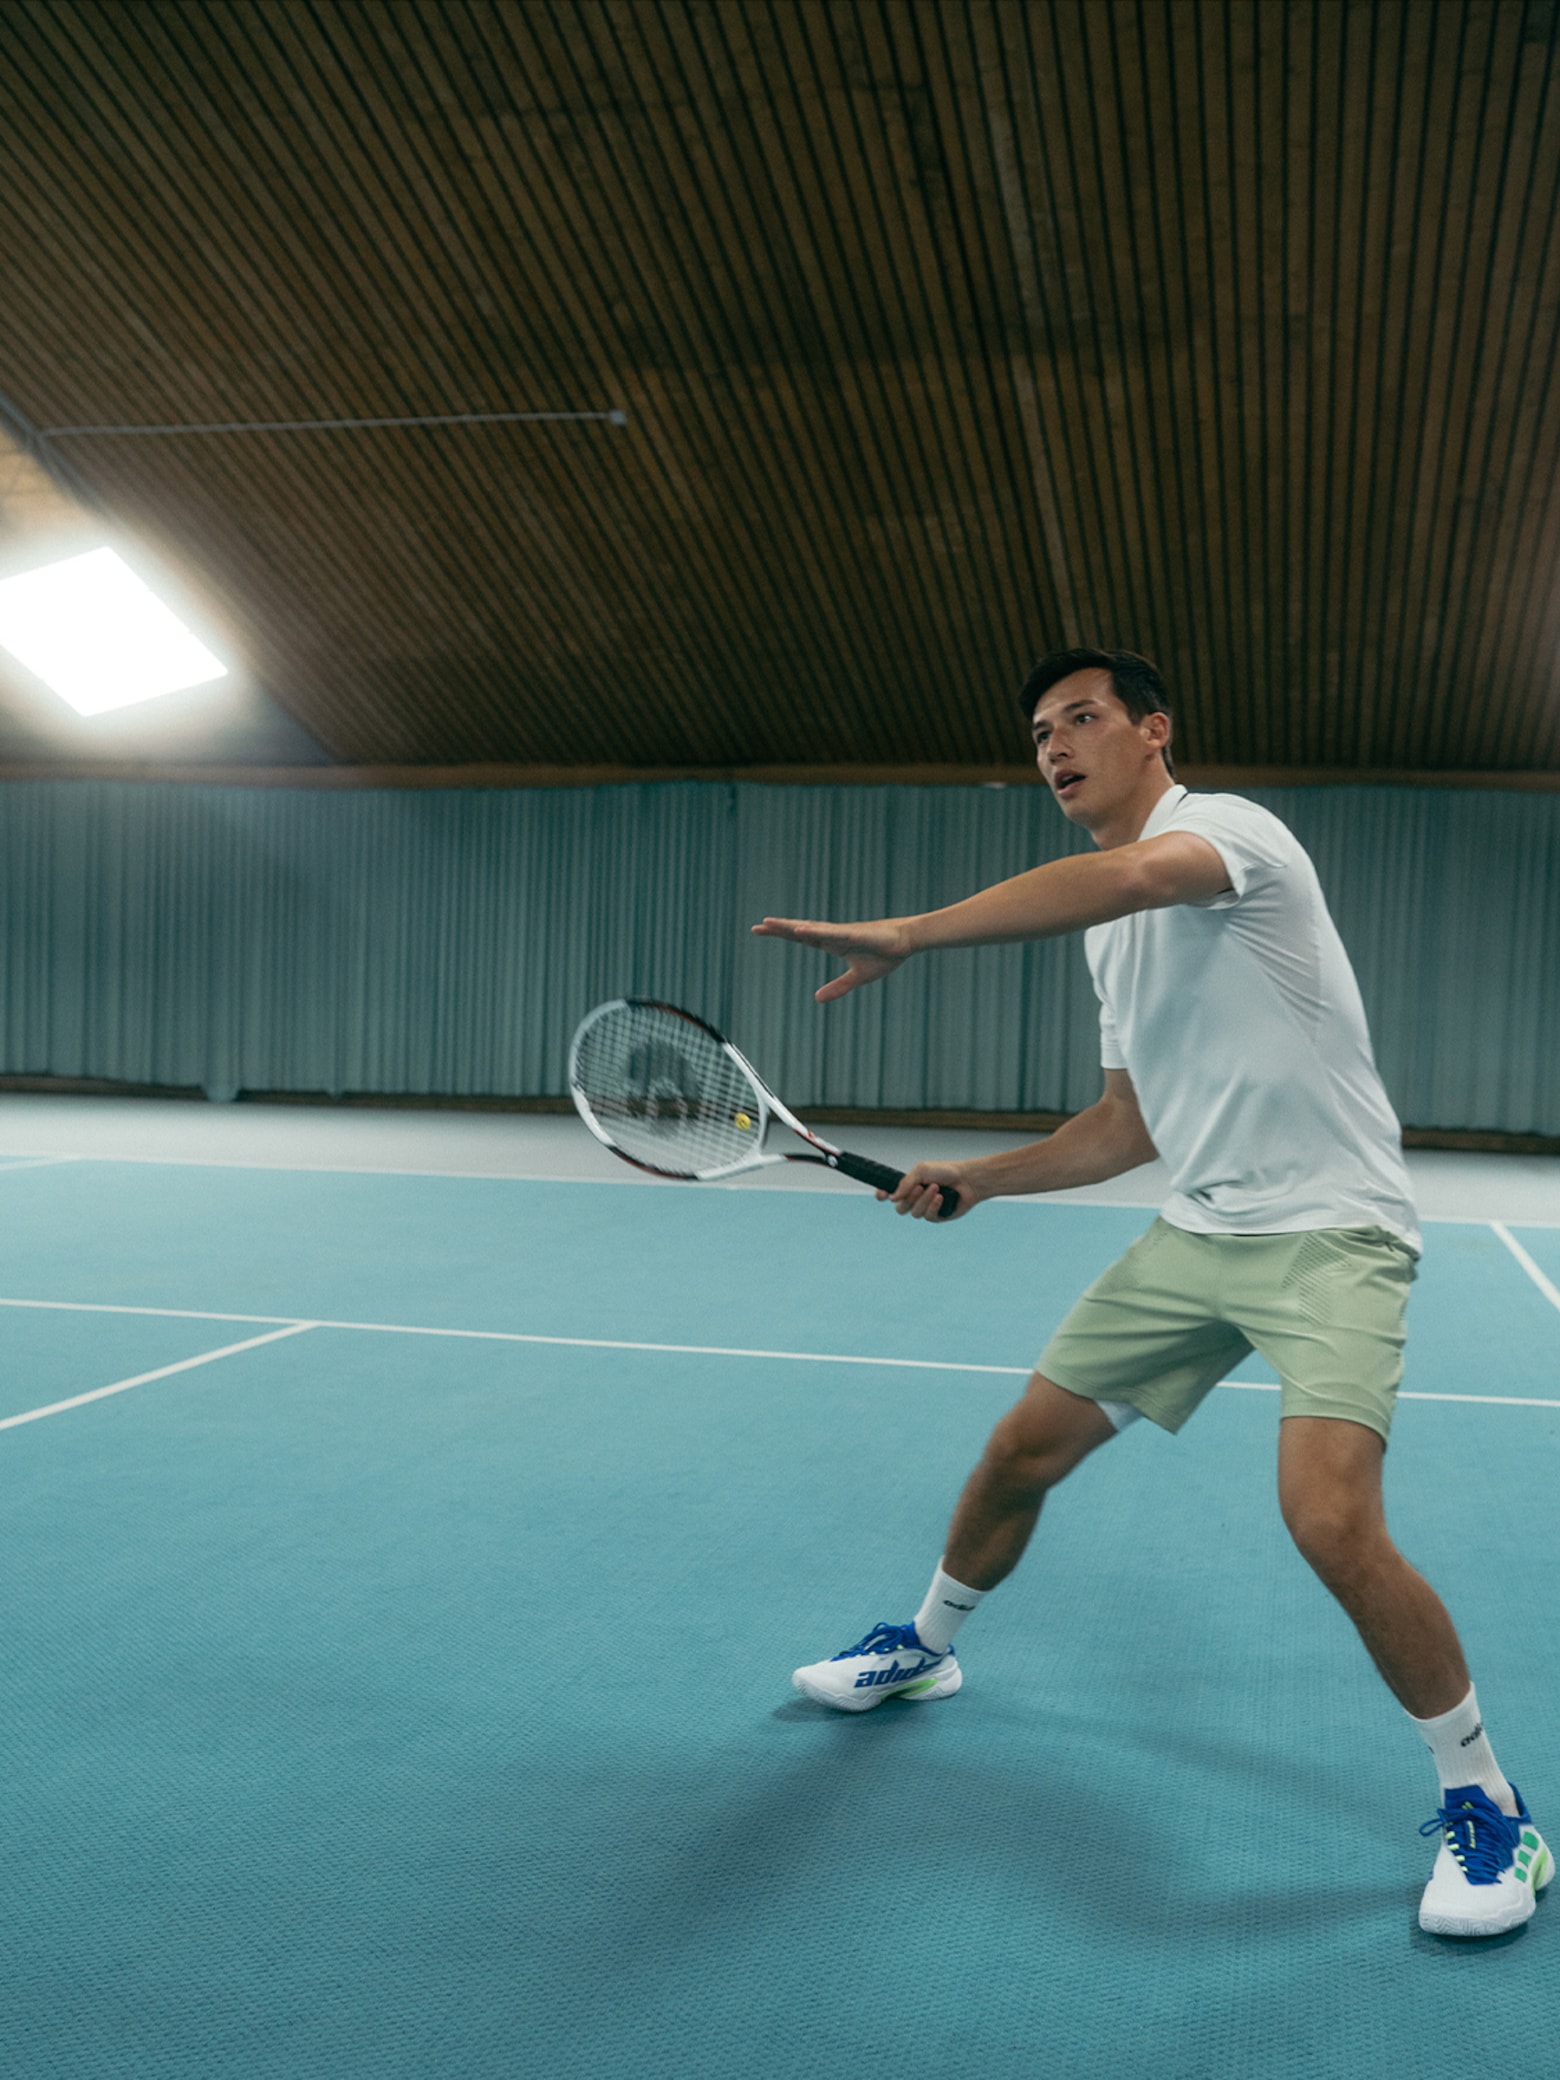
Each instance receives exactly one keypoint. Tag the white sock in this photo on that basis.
(948, 1603)
(1462, 1752)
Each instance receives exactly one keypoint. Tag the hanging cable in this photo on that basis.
(58, 433)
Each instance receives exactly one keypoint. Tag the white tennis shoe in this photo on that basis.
(1489, 1870)
(889, 1662)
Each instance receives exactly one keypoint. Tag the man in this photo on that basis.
(1234, 1045)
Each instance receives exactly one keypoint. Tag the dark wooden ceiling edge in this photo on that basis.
(523, 776)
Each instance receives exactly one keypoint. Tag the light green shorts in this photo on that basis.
(1179, 1311)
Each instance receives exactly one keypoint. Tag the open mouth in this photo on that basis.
(1065, 783)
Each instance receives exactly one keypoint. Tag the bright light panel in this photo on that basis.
(98, 636)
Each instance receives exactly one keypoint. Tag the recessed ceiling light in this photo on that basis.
(98, 636)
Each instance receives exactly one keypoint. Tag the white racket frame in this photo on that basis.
(769, 1106)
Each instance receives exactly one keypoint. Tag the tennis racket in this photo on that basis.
(670, 1095)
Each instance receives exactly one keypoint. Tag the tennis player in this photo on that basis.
(1234, 1044)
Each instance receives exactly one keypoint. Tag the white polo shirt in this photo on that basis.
(1240, 1023)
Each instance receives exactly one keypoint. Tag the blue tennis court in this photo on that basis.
(406, 1690)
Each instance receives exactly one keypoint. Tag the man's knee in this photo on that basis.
(1329, 1489)
(1041, 1439)
(1341, 1539)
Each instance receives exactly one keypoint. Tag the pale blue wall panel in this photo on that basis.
(446, 942)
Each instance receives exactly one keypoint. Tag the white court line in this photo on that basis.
(173, 1314)
(613, 1343)
(686, 1350)
(1546, 1286)
(1267, 1386)
(358, 1170)
(629, 1177)
(10, 1163)
(141, 1379)
(587, 1343)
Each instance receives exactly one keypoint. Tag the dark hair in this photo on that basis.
(1134, 681)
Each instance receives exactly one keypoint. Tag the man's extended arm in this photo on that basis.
(1102, 1142)
(1066, 895)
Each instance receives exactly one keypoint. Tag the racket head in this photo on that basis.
(665, 1091)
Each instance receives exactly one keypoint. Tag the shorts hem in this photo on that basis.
(1127, 1396)
(1337, 1412)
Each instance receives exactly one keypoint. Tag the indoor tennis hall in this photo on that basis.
(567, 482)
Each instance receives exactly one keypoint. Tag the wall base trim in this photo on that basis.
(503, 777)
(1472, 1140)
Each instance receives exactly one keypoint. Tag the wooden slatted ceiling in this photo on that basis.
(948, 331)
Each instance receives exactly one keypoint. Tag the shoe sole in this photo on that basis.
(939, 1686)
(1517, 1917)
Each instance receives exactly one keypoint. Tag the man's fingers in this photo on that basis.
(870, 951)
(921, 1197)
(841, 986)
(803, 930)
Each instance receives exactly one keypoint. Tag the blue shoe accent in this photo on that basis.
(1483, 1839)
(892, 1661)
(887, 1639)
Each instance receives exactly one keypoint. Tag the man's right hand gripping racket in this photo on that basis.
(669, 1094)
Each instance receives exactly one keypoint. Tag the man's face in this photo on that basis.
(1091, 753)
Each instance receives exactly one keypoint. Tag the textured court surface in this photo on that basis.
(380, 1704)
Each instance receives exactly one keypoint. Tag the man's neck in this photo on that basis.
(1126, 826)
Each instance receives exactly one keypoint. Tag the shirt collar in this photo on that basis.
(1163, 810)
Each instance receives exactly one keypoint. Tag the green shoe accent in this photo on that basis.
(1530, 1841)
(915, 1689)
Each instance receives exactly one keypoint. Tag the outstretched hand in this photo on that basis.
(872, 950)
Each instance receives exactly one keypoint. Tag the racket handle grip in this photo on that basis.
(884, 1179)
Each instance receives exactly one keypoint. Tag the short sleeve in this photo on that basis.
(1250, 841)
(1111, 1056)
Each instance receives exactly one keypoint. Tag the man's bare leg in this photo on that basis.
(1329, 1488)
(1329, 1484)
(1037, 1443)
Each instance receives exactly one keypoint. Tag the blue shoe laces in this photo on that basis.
(886, 1639)
(1481, 1837)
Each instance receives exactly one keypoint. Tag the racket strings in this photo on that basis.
(665, 1091)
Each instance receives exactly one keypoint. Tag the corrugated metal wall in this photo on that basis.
(446, 942)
